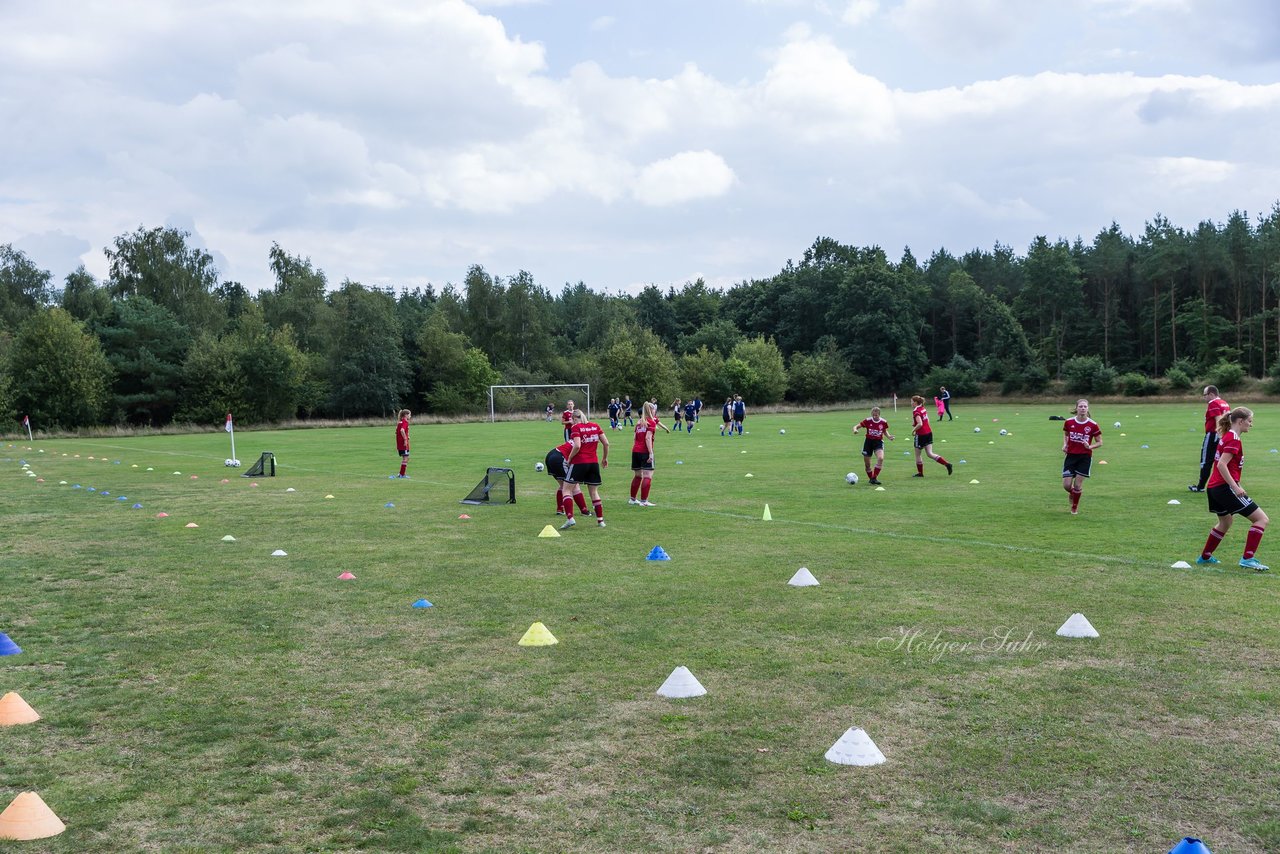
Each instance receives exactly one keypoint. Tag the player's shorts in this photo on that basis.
(920, 440)
(870, 446)
(1223, 502)
(1077, 465)
(726, 418)
(587, 474)
(555, 464)
(404, 453)
(737, 419)
(641, 461)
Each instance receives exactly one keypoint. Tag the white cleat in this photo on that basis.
(634, 501)
(647, 504)
(569, 523)
(600, 523)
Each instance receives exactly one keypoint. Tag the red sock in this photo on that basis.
(940, 461)
(635, 485)
(1251, 541)
(919, 468)
(568, 506)
(1075, 499)
(559, 499)
(644, 488)
(582, 501)
(403, 466)
(875, 473)
(1215, 538)
(598, 506)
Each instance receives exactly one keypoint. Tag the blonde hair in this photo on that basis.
(404, 413)
(875, 410)
(917, 400)
(650, 409)
(1240, 413)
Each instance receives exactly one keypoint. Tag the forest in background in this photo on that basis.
(162, 338)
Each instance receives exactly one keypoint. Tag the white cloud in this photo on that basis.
(684, 177)
(859, 12)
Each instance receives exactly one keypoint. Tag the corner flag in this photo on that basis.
(229, 427)
(26, 422)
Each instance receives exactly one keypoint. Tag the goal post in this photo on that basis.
(529, 393)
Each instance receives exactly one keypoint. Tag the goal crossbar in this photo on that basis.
(586, 387)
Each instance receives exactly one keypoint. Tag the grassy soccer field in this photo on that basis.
(202, 695)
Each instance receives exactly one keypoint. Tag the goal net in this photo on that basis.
(490, 490)
(515, 402)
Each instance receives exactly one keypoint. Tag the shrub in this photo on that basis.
(1088, 375)
(960, 376)
(1225, 375)
(1178, 379)
(1137, 385)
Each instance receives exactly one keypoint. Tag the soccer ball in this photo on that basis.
(851, 478)
(537, 466)
(1004, 432)
(977, 429)
(783, 432)
(1117, 425)
(231, 463)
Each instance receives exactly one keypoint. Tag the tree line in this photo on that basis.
(162, 338)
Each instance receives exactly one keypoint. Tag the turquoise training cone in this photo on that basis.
(422, 603)
(7, 646)
(658, 554)
(1190, 845)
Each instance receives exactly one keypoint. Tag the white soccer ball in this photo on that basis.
(783, 432)
(227, 463)
(851, 477)
(1117, 425)
(977, 429)
(1004, 432)
(537, 466)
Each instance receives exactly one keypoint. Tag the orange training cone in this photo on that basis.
(14, 710)
(29, 817)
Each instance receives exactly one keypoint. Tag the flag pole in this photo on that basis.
(231, 428)
(26, 421)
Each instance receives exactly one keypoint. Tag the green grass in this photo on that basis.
(203, 696)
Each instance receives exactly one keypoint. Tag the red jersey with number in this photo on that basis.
(1228, 444)
(644, 427)
(566, 417)
(1080, 434)
(402, 436)
(875, 428)
(588, 435)
(919, 412)
(1215, 410)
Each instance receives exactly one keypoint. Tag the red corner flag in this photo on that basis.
(228, 422)
(26, 421)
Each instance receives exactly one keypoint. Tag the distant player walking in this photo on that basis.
(690, 415)
(402, 441)
(642, 456)
(1227, 497)
(945, 397)
(566, 419)
(1215, 408)
(582, 467)
(739, 413)
(726, 416)
(923, 437)
(677, 410)
(1080, 436)
(626, 412)
(873, 445)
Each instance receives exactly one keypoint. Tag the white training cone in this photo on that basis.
(1174, 501)
(1182, 564)
(1077, 626)
(681, 684)
(855, 747)
(279, 553)
(803, 578)
(228, 539)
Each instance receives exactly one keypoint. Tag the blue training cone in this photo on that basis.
(388, 504)
(137, 507)
(8, 647)
(422, 603)
(1190, 845)
(658, 554)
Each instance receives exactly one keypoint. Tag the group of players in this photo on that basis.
(577, 462)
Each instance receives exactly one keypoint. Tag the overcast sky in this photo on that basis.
(623, 143)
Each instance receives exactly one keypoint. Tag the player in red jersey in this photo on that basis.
(566, 420)
(923, 437)
(642, 456)
(402, 440)
(1215, 408)
(555, 468)
(582, 466)
(1080, 435)
(877, 431)
(1227, 497)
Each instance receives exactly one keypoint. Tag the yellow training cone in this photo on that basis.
(768, 517)
(28, 817)
(549, 531)
(14, 710)
(538, 636)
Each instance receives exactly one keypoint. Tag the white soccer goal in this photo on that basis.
(528, 393)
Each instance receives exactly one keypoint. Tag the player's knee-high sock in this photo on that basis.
(1215, 538)
(1075, 499)
(567, 504)
(644, 488)
(598, 506)
(635, 485)
(559, 499)
(403, 466)
(939, 460)
(920, 468)
(582, 501)
(875, 473)
(1252, 540)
